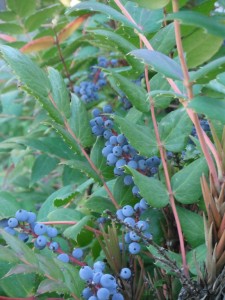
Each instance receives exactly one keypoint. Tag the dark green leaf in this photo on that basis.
(79, 122)
(7, 15)
(197, 257)
(192, 227)
(135, 94)
(152, 4)
(60, 92)
(43, 165)
(159, 62)
(153, 190)
(142, 138)
(65, 214)
(11, 28)
(211, 107)
(209, 24)
(122, 193)
(174, 130)
(186, 183)
(99, 204)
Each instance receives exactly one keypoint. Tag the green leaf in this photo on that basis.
(122, 193)
(48, 267)
(148, 20)
(21, 269)
(195, 44)
(153, 190)
(151, 4)
(9, 205)
(8, 255)
(164, 40)
(48, 286)
(197, 257)
(33, 79)
(210, 24)
(23, 252)
(135, 94)
(142, 138)
(159, 62)
(99, 204)
(209, 71)
(99, 160)
(174, 130)
(211, 107)
(59, 91)
(42, 166)
(79, 122)
(186, 183)
(113, 14)
(41, 16)
(65, 214)
(7, 16)
(22, 8)
(192, 226)
(11, 28)
(73, 231)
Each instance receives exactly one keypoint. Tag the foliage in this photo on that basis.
(112, 133)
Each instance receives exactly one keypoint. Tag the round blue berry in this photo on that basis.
(21, 215)
(54, 246)
(40, 229)
(77, 253)
(134, 248)
(41, 241)
(12, 222)
(86, 273)
(99, 266)
(125, 273)
(64, 257)
(108, 281)
(127, 210)
(117, 296)
(52, 232)
(10, 230)
(23, 236)
(103, 294)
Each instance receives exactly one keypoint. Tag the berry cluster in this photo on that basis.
(100, 285)
(135, 228)
(118, 152)
(88, 90)
(24, 225)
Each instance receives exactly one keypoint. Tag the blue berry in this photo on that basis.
(120, 214)
(125, 273)
(142, 225)
(21, 215)
(153, 161)
(87, 293)
(127, 210)
(77, 253)
(134, 248)
(128, 180)
(142, 164)
(107, 109)
(12, 222)
(133, 164)
(117, 172)
(24, 237)
(113, 140)
(117, 151)
(64, 257)
(130, 221)
(96, 112)
(54, 246)
(99, 266)
(97, 130)
(108, 124)
(134, 237)
(103, 294)
(40, 229)
(41, 241)
(86, 273)
(52, 232)
(121, 139)
(117, 296)
(127, 238)
(108, 281)
(120, 163)
(97, 277)
(10, 230)
(143, 204)
(107, 134)
(135, 191)
(107, 150)
(93, 298)
(111, 159)
(31, 217)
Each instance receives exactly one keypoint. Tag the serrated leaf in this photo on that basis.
(153, 190)
(48, 267)
(35, 20)
(70, 28)
(43, 165)
(159, 62)
(152, 4)
(164, 40)
(99, 204)
(148, 20)
(33, 79)
(100, 161)
(22, 8)
(211, 107)
(174, 130)
(197, 256)
(195, 44)
(65, 214)
(209, 24)
(23, 252)
(21, 269)
(135, 94)
(208, 71)
(49, 285)
(142, 138)
(8, 255)
(60, 91)
(73, 231)
(39, 44)
(186, 182)
(79, 122)
(113, 14)
(192, 226)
